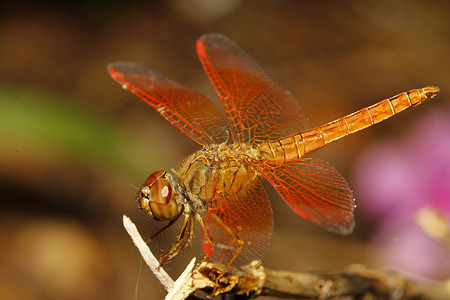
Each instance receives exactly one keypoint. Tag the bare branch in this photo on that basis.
(183, 287)
(355, 281)
(148, 256)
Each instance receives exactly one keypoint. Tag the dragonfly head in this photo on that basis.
(158, 197)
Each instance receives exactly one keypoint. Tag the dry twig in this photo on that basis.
(356, 281)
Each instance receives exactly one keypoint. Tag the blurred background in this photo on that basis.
(74, 145)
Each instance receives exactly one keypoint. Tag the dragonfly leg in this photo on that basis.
(205, 232)
(182, 242)
(162, 229)
(235, 239)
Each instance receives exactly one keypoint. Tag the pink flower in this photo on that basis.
(393, 180)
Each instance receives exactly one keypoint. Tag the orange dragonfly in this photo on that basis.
(263, 133)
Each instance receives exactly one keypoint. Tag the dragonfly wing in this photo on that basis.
(257, 108)
(186, 109)
(241, 217)
(315, 191)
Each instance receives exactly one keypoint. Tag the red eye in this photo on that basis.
(157, 197)
(161, 191)
(153, 177)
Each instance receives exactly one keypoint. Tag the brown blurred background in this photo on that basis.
(74, 145)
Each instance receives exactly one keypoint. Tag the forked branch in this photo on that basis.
(354, 282)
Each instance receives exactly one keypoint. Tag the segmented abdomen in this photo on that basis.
(299, 145)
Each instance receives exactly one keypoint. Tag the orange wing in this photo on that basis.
(189, 111)
(244, 216)
(314, 190)
(256, 107)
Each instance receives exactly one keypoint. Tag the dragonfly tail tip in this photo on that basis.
(431, 91)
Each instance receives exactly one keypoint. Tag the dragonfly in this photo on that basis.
(262, 133)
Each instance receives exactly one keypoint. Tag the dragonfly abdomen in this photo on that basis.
(294, 147)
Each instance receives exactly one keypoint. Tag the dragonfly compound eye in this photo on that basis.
(158, 199)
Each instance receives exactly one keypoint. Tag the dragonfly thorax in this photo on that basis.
(217, 168)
